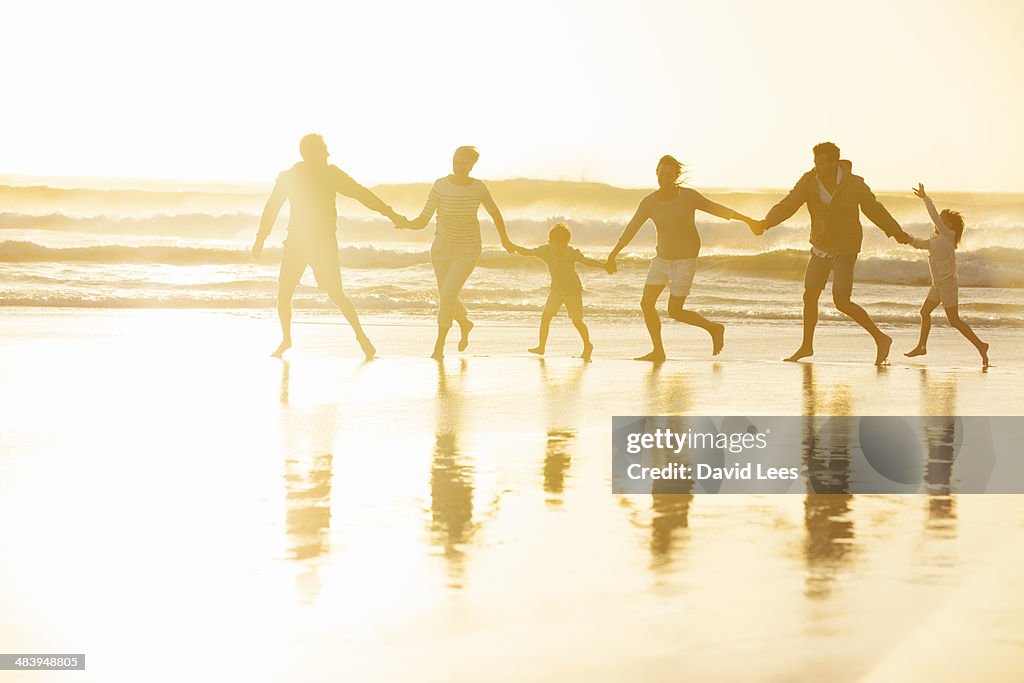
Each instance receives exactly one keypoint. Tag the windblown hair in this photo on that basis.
(955, 222)
(673, 163)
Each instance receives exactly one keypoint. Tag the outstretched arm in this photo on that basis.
(707, 206)
(499, 224)
(421, 221)
(495, 214)
(786, 207)
(880, 216)
(933, 213)
(715, 209)
(632, 228)
(592, 262)
(521, 250)
(270, 211)
(348, 187)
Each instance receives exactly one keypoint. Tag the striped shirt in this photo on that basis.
(456, 207)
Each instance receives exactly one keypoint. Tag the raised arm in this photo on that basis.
(787, 206)
(272, 208)
(632, 228)
(880, 216)
(934, 214)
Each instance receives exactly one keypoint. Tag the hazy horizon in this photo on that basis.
(157, 183)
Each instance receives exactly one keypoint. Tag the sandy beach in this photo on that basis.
(173, 500)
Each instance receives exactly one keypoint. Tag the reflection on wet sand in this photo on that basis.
(308, 468)
(451, 477)
(668, 395)
(939, 398)
(561, 394)
(829, 543)
(670, 504)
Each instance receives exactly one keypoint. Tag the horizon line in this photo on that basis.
(257, 185)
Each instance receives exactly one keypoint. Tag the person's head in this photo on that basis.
(463, 161)
(313, 149)
(826, 159)
(670, 171)
(955, 222)
(559, 235)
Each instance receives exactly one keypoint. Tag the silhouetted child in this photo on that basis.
(566, 288)
(941, 246)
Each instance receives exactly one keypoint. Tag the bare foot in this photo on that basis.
(539, 350)
(438, 354)
(717, 338)
(883, 350)
(588, 349)
(464, 341)
(983, 350)
(284, 346)
(802, 352)
(368, 349)
(916, 351)
(653, 356)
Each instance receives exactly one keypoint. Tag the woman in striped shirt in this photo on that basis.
(457, 245)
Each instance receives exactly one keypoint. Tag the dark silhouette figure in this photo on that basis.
(834, 198)
(310, 188)
(941, 247)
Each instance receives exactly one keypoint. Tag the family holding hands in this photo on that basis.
(833, 195)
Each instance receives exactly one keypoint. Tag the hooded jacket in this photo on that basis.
(835, 227)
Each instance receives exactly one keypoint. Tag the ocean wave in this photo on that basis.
(989, 267)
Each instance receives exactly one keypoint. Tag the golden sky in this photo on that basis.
(569, 89)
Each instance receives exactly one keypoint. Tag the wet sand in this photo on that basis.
(176, 504)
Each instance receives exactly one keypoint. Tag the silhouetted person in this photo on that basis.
(834, 197)
(457, 246)
(566, 288)
(672, 209)
(310, 188)
(941, 246)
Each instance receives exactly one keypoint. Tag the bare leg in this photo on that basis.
(926, 325)
(588, 348)
(451, 275)
(953, 315)
(716, 330)
(285, 292)
(649, 307)
(349, 311)
(545, 327)
(883, 341)
(810, 319)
